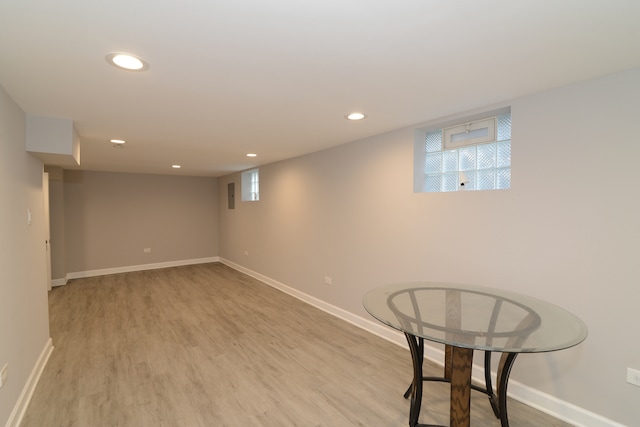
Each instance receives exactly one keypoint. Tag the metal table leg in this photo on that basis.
(416, 346)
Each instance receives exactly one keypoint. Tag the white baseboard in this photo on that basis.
(58, 282)
(558, 408)
(15, 419)
(543, 402)
(141, 267)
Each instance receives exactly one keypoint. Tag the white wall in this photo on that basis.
(24, 323)
(110, 218)
(567, 231)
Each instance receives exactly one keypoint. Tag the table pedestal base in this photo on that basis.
(457, 372)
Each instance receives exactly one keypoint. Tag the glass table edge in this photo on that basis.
(579, 339)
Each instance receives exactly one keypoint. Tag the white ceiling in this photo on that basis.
(277, 77)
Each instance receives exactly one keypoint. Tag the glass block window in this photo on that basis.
(484, 166)
(251, 186)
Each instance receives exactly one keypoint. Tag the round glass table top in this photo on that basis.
(475, 317)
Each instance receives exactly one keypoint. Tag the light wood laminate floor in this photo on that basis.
(205, 345)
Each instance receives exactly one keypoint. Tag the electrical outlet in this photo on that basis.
(327, 280)
(633, 376)
(4, 373)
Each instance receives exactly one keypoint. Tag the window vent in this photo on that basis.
(471, 133)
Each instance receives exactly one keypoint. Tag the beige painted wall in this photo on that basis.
(111, 217)
(24, 314)
(567, 231)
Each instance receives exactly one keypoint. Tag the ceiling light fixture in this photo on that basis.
(355, 116)
(118, 141)
(176, 166)
(126, 61)
(252, 155)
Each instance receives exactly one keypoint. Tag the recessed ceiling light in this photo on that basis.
(252, 155)
(118, 141)
(176, 166)
(126, 61)
(355, 116)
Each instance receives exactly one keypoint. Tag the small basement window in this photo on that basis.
(250, 186)
(475, 155)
